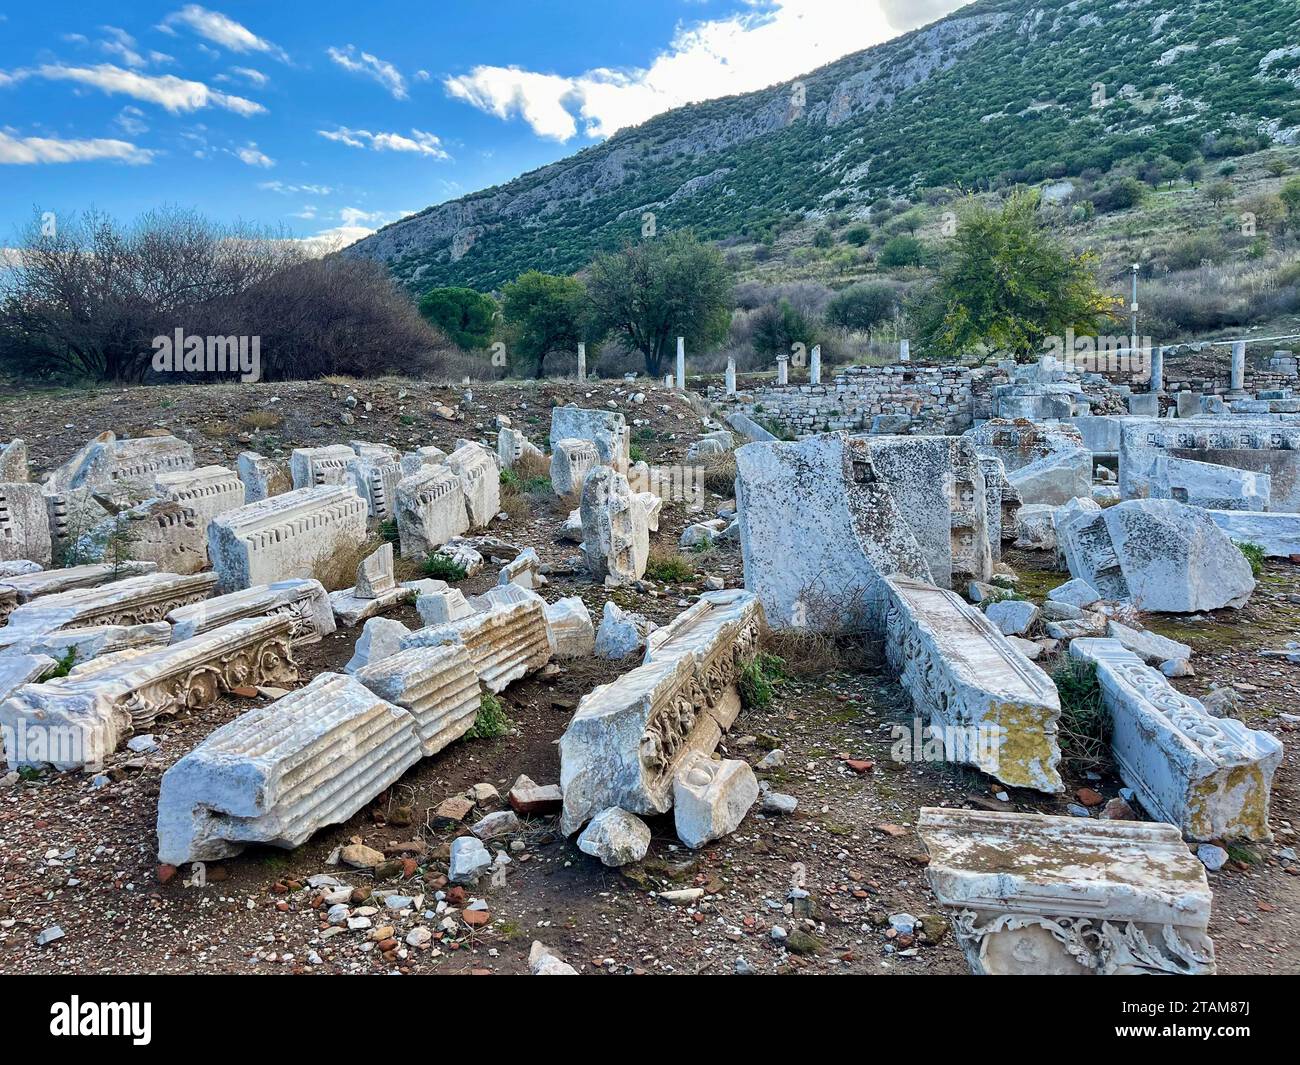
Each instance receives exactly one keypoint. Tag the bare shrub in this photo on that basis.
(337, 570)
(86, 302)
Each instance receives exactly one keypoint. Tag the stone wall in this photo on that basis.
(937, 399)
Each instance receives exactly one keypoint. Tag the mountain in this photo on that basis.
(1000, 91)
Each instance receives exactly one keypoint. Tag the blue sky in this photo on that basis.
(332, 118)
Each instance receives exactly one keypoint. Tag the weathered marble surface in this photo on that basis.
(628, 738)
(438, 685)
(430, 510)
(24, 524)
(281, 771)
(820, 531)
(312, 467)
(1158, 553)
(606, 429)
(505, 643)
(1036, 896)
(996, 709)
(571, 460)
(1278, 534)
(615, 528)
(286, 536)
(133, 601)
(1260, 445)
(480, 481)
(105, 700)
(303, 601)
(1209, 776)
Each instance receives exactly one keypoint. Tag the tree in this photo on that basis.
(544, 314)
(466, 316)
(862, 307)
(652, 292)
(901, 251)
(858, 234)
(1009, 286)
(777, 327)
(1290, 197)
(1219, 192)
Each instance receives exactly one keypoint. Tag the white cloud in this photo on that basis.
(22, 151)
(295, 190)
(354, 225)
(253, 77)
(131, 120)
(371, 67)
(220, 29)
(166, 90)
(707, 60)
(419, 141)
(121, 44)
(250, 155)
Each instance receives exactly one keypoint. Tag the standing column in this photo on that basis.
(815, 366)
(783, 369)
(904, 351)
(731, 375)
(582, 361)
(1157, 370)
(1238, 381)
(681, 364)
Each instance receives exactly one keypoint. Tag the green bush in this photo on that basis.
(491, 721)
(758, 679)
(862, 307)
(1255, 556)
(443, 568)
(1083, 730)
(901, 251)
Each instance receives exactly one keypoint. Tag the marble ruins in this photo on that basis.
(285, 536)
(1209, 776)
(992, 532)
(989, 705)
(628, 739)
(1030, 895)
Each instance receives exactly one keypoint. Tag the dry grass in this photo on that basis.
(261, 419)
(338, 570)
(530, 466)
(806, 653)
(670, 567)
(720, 477)
(518, 505)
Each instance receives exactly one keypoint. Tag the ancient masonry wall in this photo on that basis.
(938, 399)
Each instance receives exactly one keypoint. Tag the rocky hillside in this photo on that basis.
(1002, 90)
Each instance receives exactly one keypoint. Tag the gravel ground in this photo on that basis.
(82, 859)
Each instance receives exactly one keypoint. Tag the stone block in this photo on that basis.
(1209, 776)
(279, 772)
(430, 510)
(286, 536)
(437, 685)
(98, 704)
(1031, 895)
(993, 708)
